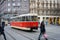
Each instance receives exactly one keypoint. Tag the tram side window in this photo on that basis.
(14, 19)
(23, 18)
(20, 19)
(34, 18)
(27, 18)
(11, 19)
(17, 19)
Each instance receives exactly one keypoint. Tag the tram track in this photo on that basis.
(19, 34)
(25, 34)
(29, 35)
(36, 34)
(10, 35)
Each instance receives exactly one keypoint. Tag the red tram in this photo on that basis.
(25, 21)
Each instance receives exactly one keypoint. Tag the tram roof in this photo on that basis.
(24, 15)
(48, 16)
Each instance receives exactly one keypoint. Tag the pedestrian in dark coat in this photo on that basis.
(42, 30)
(2, 32)
(3, 24)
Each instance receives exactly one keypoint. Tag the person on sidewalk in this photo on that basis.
(42, 31)
(2, 32)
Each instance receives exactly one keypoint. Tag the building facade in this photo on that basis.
(45, 7)
(9, 8)
(47, 10)
(14, 6)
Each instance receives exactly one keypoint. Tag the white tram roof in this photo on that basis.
(31, 14)
(48, 16)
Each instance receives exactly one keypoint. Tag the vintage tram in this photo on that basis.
(25, 21)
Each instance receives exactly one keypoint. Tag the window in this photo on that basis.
(14, 9)
(47, 18)
(8, 0)
(23, 18)
(20, 19)
(13, 0)
(28, 18)
(34, 18)
(20, 0)
(25, 0)
(13, 4)
(9, 4)
(18, 4)
(17, 19)
(43, 18)
(9, 9)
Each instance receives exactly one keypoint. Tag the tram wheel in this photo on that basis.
(31, 29)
